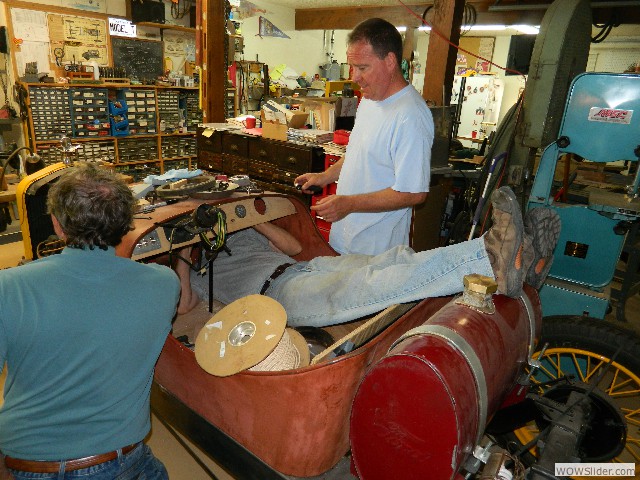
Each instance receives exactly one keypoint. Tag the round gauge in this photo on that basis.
(58, 52)
(241, 211)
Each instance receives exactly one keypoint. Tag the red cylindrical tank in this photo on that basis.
(423, 407)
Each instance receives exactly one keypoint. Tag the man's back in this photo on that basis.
(69, 322)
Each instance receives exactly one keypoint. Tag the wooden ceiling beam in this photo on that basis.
(345, 18)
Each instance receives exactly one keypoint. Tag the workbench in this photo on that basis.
(9, 196)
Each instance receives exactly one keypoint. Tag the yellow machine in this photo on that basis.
(31, 198)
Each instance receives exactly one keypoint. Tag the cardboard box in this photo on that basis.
(277, 130)
(274, 130)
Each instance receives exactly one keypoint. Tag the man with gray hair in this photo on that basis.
(80, 334)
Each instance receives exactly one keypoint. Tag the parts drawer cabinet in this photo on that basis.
(233, 165)
(299, 158)
(210, 141)
(237, 145)
(263, 151)
(272, 164)
(261, 171)
(209, 161)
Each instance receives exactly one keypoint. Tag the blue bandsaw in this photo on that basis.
(601, 124)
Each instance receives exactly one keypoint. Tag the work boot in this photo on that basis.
(542, 225)
(510, 251)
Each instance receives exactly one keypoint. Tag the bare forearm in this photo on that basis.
(336, 207)
(384, 200)
(279, 238)
(322, 179)
(332, 173)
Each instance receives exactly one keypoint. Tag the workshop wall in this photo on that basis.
(303, 51)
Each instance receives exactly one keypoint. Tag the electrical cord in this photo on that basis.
(469, 17)
(456, 46)
(192, 225)
(219, 237)
(177, 11)
(605, 28)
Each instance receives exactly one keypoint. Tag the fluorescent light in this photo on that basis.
(528, 29)
(484, 28)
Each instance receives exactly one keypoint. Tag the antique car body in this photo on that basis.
(297, 421)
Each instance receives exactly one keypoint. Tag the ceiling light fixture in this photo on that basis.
(527, 29)
(485, 28)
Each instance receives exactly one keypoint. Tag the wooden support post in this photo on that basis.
(214, 69)
(446, 17)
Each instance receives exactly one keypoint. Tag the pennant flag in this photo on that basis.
(247, 9)
(268, 29)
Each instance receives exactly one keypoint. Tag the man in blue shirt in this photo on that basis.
(80, 333)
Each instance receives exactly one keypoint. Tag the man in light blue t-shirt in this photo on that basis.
(386, 167)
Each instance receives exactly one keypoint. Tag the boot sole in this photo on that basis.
(509, 204)
(543, 227)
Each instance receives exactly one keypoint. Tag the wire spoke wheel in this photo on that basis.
(591, 353)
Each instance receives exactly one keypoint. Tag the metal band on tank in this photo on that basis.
(532, 325)
(454, 339)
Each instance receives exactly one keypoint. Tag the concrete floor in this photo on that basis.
(180, 463)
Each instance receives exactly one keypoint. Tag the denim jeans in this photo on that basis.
(139, 464)
(330, 290)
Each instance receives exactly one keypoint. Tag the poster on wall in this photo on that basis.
(476, 53)
(178, 50)
(29, 25)
(89, 5)
(78, 39)
(31, 38)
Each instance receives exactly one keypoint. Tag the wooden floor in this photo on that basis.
(175, 454)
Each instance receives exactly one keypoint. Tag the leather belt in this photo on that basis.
(278, 271)
(69, 465)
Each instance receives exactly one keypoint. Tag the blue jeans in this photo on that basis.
(139, 464)
(330, 290)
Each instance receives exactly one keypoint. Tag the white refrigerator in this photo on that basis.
(481, 98)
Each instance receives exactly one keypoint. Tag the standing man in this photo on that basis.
(386, 167)
(80, 333)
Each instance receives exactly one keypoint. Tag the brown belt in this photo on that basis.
(278, 271)
(69, 465)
